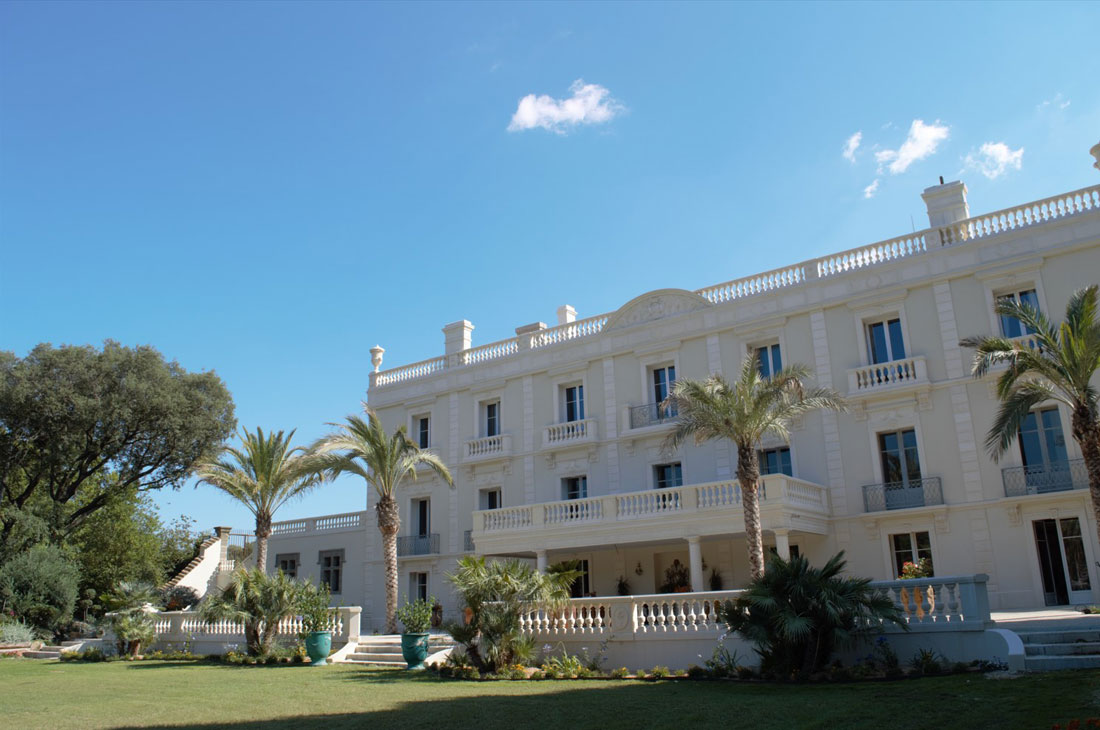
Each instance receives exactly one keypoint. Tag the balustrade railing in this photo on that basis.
(572, 510)
(468, 541)
(651, 414)
(489, 446)
(178, 627)
(325, 523)
(923, 492)
(506, 518)
(569, 432)
(881, 376)
(1022, 216)
(1057, 476)
(408, 545)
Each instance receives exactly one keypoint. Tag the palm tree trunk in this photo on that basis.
(263, 531)
(748, 473)
(389, 523)
(1086, 430)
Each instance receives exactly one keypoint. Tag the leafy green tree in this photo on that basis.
(259, 601)
(179, 543)
(69, 415)
(263, 475)
(797, 615)
(497, 594)
(40, 587)
(1060, 367)
(362, 447)
(744, 412)
(119, 542)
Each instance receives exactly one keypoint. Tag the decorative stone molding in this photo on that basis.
(655, 305)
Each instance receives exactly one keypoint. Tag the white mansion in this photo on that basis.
(555, 438)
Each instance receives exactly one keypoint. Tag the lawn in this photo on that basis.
(50, 694)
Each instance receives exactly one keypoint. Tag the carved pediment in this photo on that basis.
(655, 305)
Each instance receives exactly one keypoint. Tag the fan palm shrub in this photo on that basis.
(797, 615)
(497, 594)
(263, 475)
(1061, 366)
(132, 626)
(361, 446)
(259, 601)
(744, 412)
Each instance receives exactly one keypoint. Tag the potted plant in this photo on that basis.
(316, 619)
(416, 617)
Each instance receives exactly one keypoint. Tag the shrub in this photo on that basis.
(16, 632)
(537, 674)
(564, 665)
(178, 598)
(468, 673)
(133, 629)
(40, 587)
(920, 569)
(796, 615)
(259, 601)
(620, 673)
(313, 606)
(517, 673)
(416, 616)
(744, 672)
(91, 654)
(659, 672)
(926, 662)
(723, 662)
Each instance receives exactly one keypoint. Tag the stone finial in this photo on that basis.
(376, 353)
(456, 336)
(1095, 152)
(946, 203)
(566, 314)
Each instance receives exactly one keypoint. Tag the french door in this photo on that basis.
(1063, 567)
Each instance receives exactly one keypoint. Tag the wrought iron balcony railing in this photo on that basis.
(901, 495)
(418, 545)
(1042, 478)
(468, 541)
(651, 414)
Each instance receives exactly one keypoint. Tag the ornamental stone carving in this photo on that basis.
(655, 305)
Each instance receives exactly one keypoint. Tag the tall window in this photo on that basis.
(422, 516)
(769, 360)
(418, 586)
(332, 566)
(884, 341)
(580, 587)
(288, 563)
(1010, 326)
(574, 403)
(776, 461)
(663, 380)
(489, 499)
(574, 487)
(492, 419)
(909, 547)
(1041, 441)
(667, 475)
(423, 431)
(900, 460)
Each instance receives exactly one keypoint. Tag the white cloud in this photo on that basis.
(851, 146)
(870, 190)
(589, 104)
(1056, 101)
(994, 159)
(922, 142)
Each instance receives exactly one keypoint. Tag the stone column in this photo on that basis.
(695, 559)
(783, 544)
(540, 560)
(223, 538)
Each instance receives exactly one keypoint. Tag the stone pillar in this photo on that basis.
(540, 560)
(223, 538)
(695, 560)
(946, 204)
(456, 336)
(566, 314)
(783, 544)
(527, 332)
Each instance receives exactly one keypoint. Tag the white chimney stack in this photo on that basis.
(456, 336)
(946, 203)
(566, 314)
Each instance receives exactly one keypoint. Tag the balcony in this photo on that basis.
(651, 414)
(713, 508)
(924, 492)
(570, 433)
(887, 376)
(488, 448)
(1045, 478)
(410, 545)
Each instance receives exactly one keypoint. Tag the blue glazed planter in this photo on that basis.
(318, 646)
(414, 648)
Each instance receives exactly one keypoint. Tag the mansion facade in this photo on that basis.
(556, 440)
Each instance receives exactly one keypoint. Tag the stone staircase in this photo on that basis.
(385, 650)
(54, 652)
(1067, 649)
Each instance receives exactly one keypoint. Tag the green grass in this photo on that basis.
(76, 695)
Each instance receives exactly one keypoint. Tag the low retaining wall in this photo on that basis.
(178, 628)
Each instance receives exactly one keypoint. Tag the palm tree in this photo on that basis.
(362, 447)
(744, 412)
(260, 602)
(1059, 366)
(263, 475)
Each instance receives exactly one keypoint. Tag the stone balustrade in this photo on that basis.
(869, 379)
(180, 627)
(1022, 216)
(325, 523)
(569, 433)
(489, 447)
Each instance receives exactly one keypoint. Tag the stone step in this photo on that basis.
(352, 660)
(1058, 637)
(1047, 663)
(42, 654)
(382, 656)
(1081, 648)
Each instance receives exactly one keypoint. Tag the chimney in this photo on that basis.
(946, 204)
(566, 314)
(456, 336)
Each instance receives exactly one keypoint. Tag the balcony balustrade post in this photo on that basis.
(538, 515)
(609, 508)
(695, 559)
(689, 499)
(783, 544)
(540, 560)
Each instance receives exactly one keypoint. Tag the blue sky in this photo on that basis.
(268, 190)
